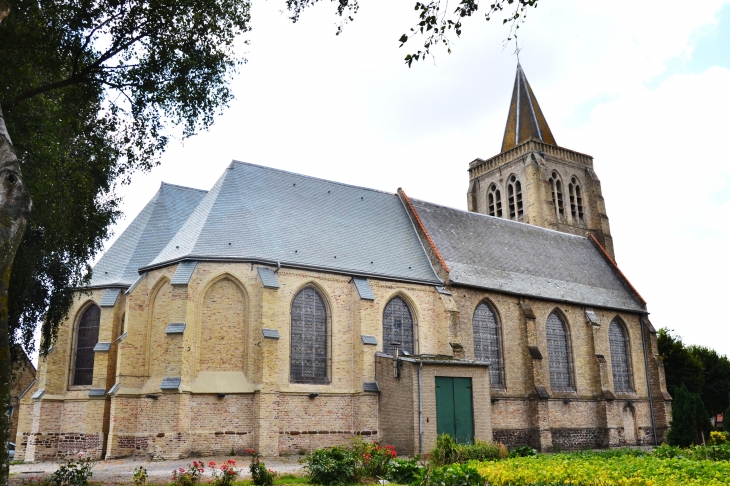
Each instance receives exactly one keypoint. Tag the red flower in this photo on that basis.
(231, 461)
(182, 469)
(211, 464)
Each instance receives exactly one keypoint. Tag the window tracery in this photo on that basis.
(398, 326)
(308, 362)
(87, 335)
(494, 199)
(557, 193)
(576, 200)
(514, 195)
(487, 342)
(620, 361)
(559, 355)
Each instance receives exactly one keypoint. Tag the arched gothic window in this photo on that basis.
(514, 194)
(87, 335)
(557, 193)
(494, 198)
(620, 362)
(559, 356)
(488, 343)
(398, 326)
(576, 200)
(308, 361)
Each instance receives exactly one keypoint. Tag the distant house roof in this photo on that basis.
(256, 213)
(499, 254)
(148, 233)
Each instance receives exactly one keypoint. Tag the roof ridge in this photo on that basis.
(425, 231)
(314, 178)
(613, 263)
(163, 183)
(508, 221)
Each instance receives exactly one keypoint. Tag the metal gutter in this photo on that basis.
(273, 263)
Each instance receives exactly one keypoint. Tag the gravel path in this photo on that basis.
(119, 471)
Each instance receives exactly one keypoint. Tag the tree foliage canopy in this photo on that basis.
(701, 370)
(92, 91)
(435, 20)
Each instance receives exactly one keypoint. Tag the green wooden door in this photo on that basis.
(454, 410)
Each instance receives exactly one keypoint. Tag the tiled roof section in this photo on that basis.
(268, 278)
(495, 253)
(183, 273)
(363, 288)
(148, 233)
(525, 120)
(268, 215)
(109, 298)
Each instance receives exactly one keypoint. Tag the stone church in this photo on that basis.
(281, 312)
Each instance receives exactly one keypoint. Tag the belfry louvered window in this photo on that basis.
(576, 200)
(559, 356)
(87, 335)
(488, 343)
(557, 192)
(514, 196)
(620, 362)
(494, 198)
(398, 326)
(309, 338)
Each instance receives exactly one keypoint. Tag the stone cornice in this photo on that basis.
(479, 166)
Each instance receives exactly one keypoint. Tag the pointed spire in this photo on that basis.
(525, 119)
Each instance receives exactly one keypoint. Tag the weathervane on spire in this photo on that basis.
(517, 51)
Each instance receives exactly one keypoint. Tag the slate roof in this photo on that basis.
(148, 233)
(256, 213)
(499, 254)
(525, 120)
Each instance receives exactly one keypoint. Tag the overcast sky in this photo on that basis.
(642, 86)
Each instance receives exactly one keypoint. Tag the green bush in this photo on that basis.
(343, 465)
(403, 471)
(522, 451)
(451, 475)
(73, 472)
(332, 466)
(449, 452)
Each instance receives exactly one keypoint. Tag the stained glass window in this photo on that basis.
(620, 357)
(87, 335)
(397, 326)
(308, 338)
(487, 343)
(559, 357)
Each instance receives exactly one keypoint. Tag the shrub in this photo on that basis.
(73, 472)
(451, 475)
(331, 466)
(522, 451)
(259, 474)
(602, 469)
(140, 477)
(717, 437)
(189, 476)
(225, 474)
(371, 459)
(684, 427)
(403, 471)
(449, 452)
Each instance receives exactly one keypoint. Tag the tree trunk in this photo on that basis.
(14, 210)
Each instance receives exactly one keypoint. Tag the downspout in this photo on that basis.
(648, 383)
(420, 411)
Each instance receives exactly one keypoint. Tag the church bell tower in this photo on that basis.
(535, 181)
